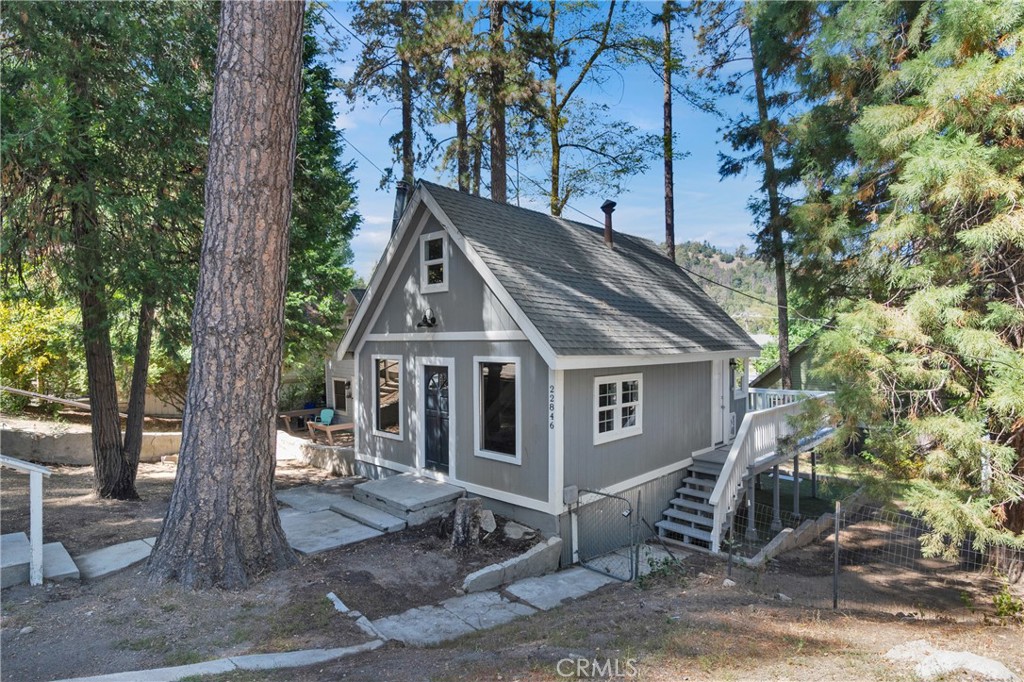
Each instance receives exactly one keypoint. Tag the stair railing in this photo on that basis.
(758, 436)
(35, 509)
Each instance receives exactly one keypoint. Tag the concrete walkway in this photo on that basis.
(421, 626)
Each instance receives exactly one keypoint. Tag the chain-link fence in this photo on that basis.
(607, 535)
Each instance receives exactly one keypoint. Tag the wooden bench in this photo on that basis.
(328, 429)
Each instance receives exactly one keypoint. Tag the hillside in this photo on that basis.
(738, 270)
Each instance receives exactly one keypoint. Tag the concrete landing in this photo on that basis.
(15, 554)
(453, 618)
(651, 556)
(102, 562)
(412, 498)
(310, 498)
(322, 530)
(548, 591)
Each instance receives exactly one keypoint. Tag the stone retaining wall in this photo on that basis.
(54, 446)
(540, 559)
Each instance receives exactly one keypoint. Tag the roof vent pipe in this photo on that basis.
(401, 190)
(608, 207)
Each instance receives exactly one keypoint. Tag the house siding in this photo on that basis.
(676, 422)
(467, 306)
(529, 479)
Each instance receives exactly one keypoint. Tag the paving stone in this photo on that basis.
(179, 672)
(548, 591)
(296, 659)
(15, 550)
(423, 626)
(323, 530)
(367, 515)
(150, 541)
(309, 498)
(486, 609)
(111, 559)
(405, 493)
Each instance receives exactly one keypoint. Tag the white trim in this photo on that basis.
(376, 396)
(421, 448)
(378, 273)
(499, 291)
(618, 432)
(391, 282)
(612, 361)
(501, 495)
(741, 392)
(449, 336)
(636, 480)
(441, 287)
(556, 436)
(478, 449)
(574, 522)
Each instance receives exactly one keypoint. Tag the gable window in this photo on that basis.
(618, 407)
(387, 383)
(434, 262)
(498, 395)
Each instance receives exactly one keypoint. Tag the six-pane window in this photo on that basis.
(617, 407)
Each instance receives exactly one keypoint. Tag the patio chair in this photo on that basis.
(326, 417)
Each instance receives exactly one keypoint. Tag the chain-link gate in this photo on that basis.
(607, 535)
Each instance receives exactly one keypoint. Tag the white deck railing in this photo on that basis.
(35, 510)
(757, 437)
(766, 398)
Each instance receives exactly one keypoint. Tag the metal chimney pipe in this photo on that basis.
(608, 207)
(401, 190)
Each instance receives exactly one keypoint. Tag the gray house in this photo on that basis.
(536, 361)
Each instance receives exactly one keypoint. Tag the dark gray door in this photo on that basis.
(436, 418)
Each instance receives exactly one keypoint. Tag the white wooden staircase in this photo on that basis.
(714, 484)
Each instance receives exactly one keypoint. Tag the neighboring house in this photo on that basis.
(528, 360)
(340, 371)
(802, 363)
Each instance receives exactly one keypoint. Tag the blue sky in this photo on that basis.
(706, 208)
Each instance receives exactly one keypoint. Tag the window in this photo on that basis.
(740, 374)
(434, 262)
(618, 409)
(498, 395)
(341, 389)
(387, 415)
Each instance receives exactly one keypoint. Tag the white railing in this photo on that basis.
(758, 436)
(35, 510)
(767, 398)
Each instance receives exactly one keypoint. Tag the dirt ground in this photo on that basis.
(131, 623)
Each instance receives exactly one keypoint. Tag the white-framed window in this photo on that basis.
(498, 396)
(618, 407)
(740, 374)
(387, 396)
(434, 262)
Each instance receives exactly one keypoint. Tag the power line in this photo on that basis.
(357, 151)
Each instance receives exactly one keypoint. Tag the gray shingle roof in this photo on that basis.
(586, 298)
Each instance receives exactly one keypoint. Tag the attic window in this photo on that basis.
(618, 407)
(434, 262)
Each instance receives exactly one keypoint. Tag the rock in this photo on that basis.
(26, 630)
(355, 614)
(931, 663)
(728, 582)
(169, 459)
(782, 597)
(338, 604)
(516, 531)
(487, 522)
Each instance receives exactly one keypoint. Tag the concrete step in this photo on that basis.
(114, 558)
(685, 531)
(693, 505)
(367, 515)
(700, 482)
(702, 493)
(686, 517)
(415, 499)
(15, 556)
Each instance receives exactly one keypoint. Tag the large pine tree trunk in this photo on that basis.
(222, 527)
(461, 126)
(405, 84)
(771, 182)
(499, 152)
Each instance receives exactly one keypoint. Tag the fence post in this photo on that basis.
(814, 475)
(751, 501)
(835, 565)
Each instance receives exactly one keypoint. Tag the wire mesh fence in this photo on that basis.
(608, 535)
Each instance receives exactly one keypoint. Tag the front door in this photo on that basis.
(435, 406)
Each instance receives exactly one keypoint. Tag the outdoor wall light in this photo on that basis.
(428, 320)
